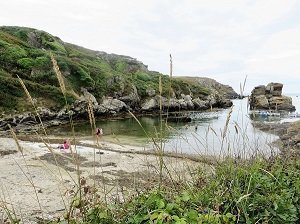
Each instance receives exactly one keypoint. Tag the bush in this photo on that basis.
(121, 66)
(26, 63)
(3, 43)
(56, 46)
(13, 53)
(143, 76)
(43, 62)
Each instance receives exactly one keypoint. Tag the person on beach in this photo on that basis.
(99, 131)
(65, 145)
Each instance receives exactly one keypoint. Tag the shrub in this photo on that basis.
(121, 66)
(13, 53)
(43, 62)
(56, 46)
(142, 76)
(26, 63)
(3, 43)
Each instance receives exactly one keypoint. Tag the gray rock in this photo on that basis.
(34, 39)
(270, 97)
(183, 104)
(259, 90)
(45, 113)
(150, 92)
(275, 89)
(260, 102)
(114, 105)
(200, 104)
(132, 99)
(88, 97)
(281, 103)
(188, 101)
(28, 119)
(149, 105)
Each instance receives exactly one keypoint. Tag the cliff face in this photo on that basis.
(270, 98)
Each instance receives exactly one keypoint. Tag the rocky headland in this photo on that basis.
(109, 84)
(270, 98)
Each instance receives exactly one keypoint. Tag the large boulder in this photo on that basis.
(188, 101)
(269, 98)
(274, 89)
(114, 105)
(200, 104)
(259, 90)
(149, 105)
(132, 99)
(260, 102)
(88, 97)
(281, 103)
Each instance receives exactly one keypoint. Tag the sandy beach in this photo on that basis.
(40, 182)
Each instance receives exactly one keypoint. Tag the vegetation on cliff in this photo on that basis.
(24, 52)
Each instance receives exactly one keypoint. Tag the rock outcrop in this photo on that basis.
(108, 107)
(289, 135)
(186, 102)
(270, 98)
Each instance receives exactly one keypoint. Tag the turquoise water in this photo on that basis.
(223, 132)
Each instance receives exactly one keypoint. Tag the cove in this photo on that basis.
(227, 132)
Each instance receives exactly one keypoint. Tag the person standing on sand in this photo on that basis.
(99, 131)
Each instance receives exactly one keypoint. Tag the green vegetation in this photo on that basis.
(256, 191)
(25, 52)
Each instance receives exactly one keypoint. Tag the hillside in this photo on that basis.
(25, 52)
(224, 90)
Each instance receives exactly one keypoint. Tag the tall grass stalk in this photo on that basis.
(224, 133)
(33, 104)
(8, 207)
(73, 153)
(47, 144)
(92, 121)
(161, 151)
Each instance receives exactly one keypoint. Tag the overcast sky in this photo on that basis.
(220, 39)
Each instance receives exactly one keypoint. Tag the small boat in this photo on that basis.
(294, 115)
(264, 113)
(274, 114)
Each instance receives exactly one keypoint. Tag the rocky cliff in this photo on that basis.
(112, 83)
(270, 98)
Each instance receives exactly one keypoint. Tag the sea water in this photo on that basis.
(227, 132)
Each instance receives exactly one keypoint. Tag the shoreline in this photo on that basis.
(45, 171)
(111, 167)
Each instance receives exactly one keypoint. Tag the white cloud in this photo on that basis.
(224, 40)
(280, 55)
